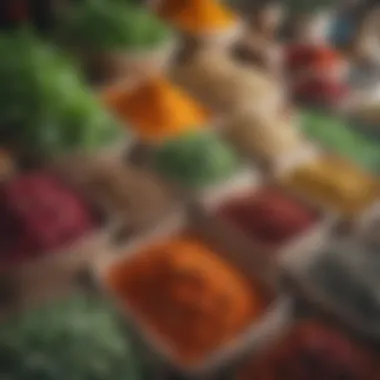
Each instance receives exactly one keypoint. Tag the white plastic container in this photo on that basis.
(274, 320)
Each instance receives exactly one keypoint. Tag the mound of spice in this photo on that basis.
(312, 352)
(39, 214)
(197, 17)
(304, 58)
(78, 338)
(195, 159)
(268, 215)
(227, 87)
(321, 91)
(156, 109)
(319, 74)
(334, 182)
(263, 137)
(336, 135)
(189, 297)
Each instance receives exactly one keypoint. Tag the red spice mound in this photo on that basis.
(269, 215)
(312, 352)
(301, 57)
(38, 214)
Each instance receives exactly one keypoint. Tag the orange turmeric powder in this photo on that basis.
(197, 16)
(157, 109)
(191, 299)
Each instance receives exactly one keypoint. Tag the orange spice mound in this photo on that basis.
(157, 109)
(197, 16)
(192, 300)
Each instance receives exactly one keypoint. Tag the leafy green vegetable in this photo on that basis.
(116, 26)
(77, 339)
(45, 105)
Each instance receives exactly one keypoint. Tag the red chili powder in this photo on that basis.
(189, 297)
(300, 57)
(312, 352)
(321, 90)
(268, 215)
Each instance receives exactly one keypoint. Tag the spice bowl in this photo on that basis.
(165, 353)
(308, 342)
(41, 277)
(333, 183)
(331, 276)
(194, 162)
(246, 197)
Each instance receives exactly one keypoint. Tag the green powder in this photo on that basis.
(335, 135)
(78, 339)
(195, 159)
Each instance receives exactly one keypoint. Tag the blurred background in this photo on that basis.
(189, 190)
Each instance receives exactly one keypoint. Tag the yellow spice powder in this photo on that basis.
(334, 182)
(197, 16)
(157, 109)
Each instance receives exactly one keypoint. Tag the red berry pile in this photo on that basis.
(313, 352)
(269, 215)
(39, 214)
